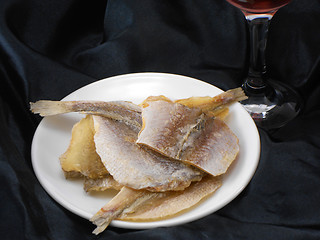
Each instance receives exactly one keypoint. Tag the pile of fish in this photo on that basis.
(163, 156)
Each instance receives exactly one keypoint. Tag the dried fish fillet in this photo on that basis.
(142, 205)
(170, 203)
(117, 110)
(188, 134)
(136, 167)
(81, 157)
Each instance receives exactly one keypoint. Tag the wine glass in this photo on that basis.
(270, 103)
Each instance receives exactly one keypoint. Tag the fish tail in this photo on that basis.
(224, 99)
(236, 94)
(49, 108)
(113, 209)
(102, 219)
(230, 96)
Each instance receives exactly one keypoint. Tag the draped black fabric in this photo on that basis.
(48, 49)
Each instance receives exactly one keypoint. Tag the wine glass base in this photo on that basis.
(273, 108)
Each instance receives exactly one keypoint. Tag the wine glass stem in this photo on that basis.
(258, 31)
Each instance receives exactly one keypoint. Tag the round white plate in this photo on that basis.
(53, 134)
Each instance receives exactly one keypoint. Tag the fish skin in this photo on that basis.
(212, 147)
(137, 167)
(166, 129)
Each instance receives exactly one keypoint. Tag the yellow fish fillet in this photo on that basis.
(81, 157)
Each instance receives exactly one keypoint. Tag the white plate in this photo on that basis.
(53, 135)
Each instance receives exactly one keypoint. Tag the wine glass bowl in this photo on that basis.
(260, 6)
(270, 103)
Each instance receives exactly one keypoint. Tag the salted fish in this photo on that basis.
(200, 140)
(142, 205)
(137, 167)
(117, 110)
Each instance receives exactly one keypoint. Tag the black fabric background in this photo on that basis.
(48, 49)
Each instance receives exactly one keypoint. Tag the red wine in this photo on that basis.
(259, 6)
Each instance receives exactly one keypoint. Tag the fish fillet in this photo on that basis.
(142, 205)
(170, 203)
(81, 157)
(134, 166)
(188, 134)
(166, 125)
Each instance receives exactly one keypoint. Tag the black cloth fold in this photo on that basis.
(49, 49)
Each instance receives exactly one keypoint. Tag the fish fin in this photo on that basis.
(49, 108)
